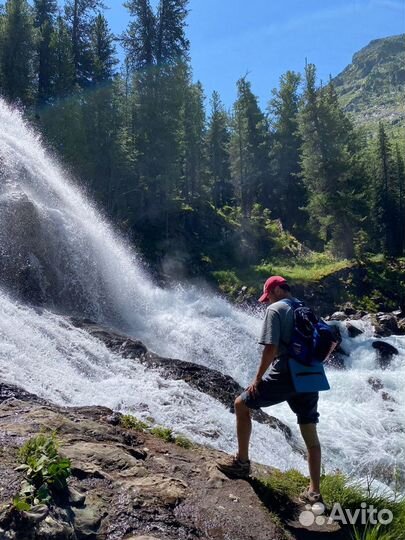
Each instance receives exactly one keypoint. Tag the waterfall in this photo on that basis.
(57, 251)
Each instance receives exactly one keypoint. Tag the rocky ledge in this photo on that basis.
(128, 484)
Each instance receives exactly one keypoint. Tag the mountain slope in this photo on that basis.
(372, 87)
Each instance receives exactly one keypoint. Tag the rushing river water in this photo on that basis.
(56, 246)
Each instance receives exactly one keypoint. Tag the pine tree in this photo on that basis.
(63, 57)
(386, 201)
(80, 15)
(17, 52)
(172, 45)
(249, 148)
(102, 50)
(327, 162)
(44, 20)
(193, 143)
(158, 92)
(99, 113)
(218, 140)
(139, 38)
(400, 180)
(288, 195)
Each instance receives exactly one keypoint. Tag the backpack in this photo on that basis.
(312, 339)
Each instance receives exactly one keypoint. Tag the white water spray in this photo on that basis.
(55, 243)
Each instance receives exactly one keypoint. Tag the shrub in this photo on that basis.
(128, 421)
(163, 433)
(45, 471)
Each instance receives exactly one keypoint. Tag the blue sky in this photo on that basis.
(265, 38)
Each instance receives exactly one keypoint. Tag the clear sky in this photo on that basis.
(265, 38)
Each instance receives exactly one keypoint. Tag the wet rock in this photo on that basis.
(37, 513)
(353, 330)
(377, 385)
(336, 361)
(338, 316)
(172, 493)
(385, 324)
(348, 309)
(9, 391)
(385, 353)
(214, 383)
(401, 326)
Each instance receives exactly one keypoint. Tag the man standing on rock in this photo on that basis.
(277, 387)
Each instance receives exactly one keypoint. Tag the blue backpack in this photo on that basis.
(312, 338)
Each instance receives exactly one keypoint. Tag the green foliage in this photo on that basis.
(128, 421)
(16, 51)
(42, 463)
(278, 488)
(21, 504)
(214, 191)
(227, 281)
(289, 483)
(183, 442)
(163, 433)
(371, 89)
(306, 269)
(45, 471)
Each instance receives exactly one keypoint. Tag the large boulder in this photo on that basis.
(214, 383)
(147, 489)
(353, 330)
(385, 352)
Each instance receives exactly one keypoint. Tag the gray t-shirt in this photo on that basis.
(278, 325)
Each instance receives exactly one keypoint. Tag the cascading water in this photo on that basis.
(57, 250)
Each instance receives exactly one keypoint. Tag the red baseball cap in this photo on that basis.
(270, 285)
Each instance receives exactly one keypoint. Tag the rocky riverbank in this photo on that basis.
(130, 485)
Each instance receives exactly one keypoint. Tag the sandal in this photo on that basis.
(234, 468)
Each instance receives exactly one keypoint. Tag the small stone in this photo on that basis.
(233, 498)
(37, 513)
(75, 497)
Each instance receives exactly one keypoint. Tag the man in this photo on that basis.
(277, 387)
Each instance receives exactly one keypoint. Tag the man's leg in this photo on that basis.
(243, 428)
(305, 406)
(311, 440)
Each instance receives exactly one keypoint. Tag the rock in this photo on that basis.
(348, 309)
(336, 361)
(401, 326)
(119, 492)
(76, 498)
(338, 316)
(209, 381)
(385, 324)
(37, 513)
(377, 385)
(353, 331)
(385, 353)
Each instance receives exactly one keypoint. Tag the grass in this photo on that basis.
(127, 421)
(312, 268)
(277, 490)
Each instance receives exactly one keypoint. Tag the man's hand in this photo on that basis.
(268, 356)
(252, 389)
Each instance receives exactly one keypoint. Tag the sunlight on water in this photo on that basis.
(76, 264)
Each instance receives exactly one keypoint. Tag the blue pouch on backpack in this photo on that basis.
(306, 378)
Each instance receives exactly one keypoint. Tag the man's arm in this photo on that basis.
(268, 356)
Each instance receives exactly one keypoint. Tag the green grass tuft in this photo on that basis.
(128, 421)
(163, 433)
